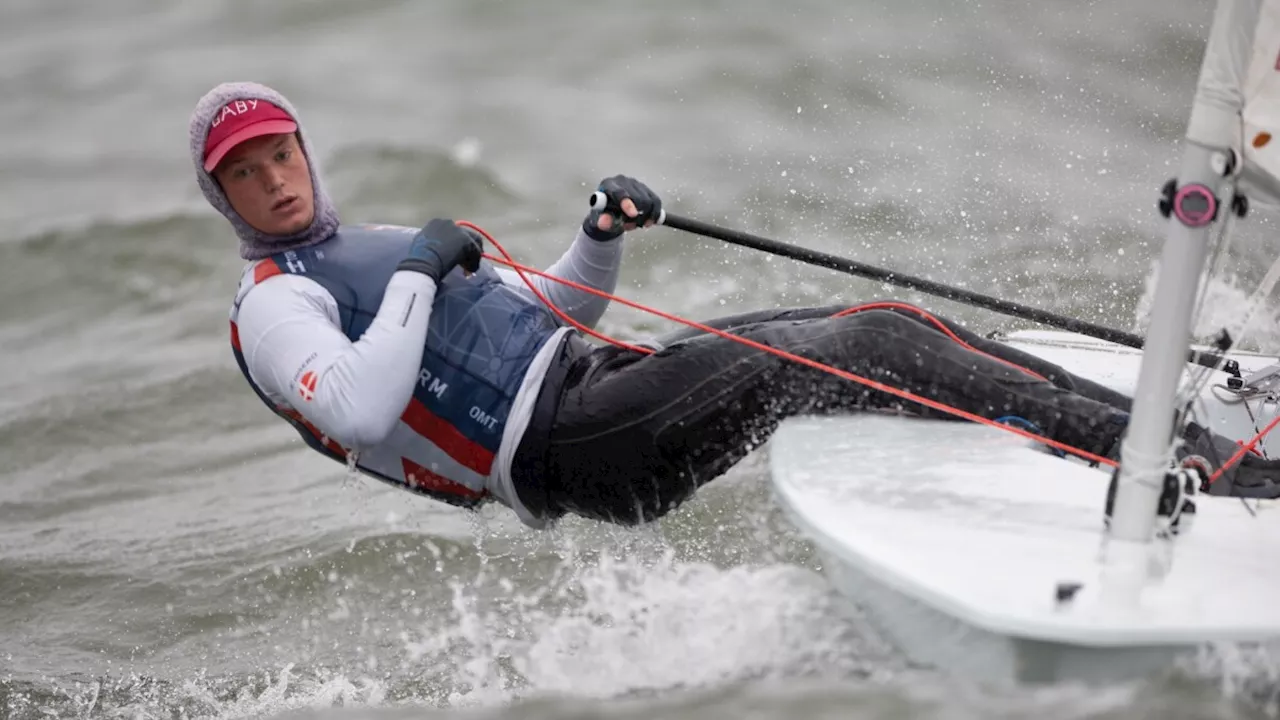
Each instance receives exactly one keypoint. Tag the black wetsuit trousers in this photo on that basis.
(635, 435)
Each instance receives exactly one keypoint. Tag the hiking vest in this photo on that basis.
(481, 338)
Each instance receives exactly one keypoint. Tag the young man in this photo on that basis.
(401, 350)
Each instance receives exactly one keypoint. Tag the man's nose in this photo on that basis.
(272, 177)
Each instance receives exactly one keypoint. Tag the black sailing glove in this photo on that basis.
(621, 197)
(441, 246)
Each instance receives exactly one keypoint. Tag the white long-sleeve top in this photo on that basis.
(292, 340)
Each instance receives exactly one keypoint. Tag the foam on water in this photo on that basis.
(635, 620)
(1230, 302)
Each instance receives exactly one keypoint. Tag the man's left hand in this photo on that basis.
(629, 204)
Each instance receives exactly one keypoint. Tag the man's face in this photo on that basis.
(267, 181)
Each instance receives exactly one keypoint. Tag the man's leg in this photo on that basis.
(1055, 374)
(636, 435)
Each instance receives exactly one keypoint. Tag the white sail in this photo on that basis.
(1257, 132)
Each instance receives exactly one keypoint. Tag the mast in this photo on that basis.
(1211, 132)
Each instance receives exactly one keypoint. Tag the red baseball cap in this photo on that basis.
(240, 120)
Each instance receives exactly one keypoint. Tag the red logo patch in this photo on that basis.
(307, 385)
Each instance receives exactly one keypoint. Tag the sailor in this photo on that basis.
(401, 351)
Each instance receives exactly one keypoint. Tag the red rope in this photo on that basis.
(1243, 449)
(506, 259)
(520, 269)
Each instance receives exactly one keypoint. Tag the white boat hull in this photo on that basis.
(956, 537)
(937, 639)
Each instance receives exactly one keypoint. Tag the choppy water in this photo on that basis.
(169, 549)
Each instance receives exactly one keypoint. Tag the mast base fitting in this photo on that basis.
(1176, 508)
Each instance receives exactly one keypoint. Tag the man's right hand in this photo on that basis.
(439, 247)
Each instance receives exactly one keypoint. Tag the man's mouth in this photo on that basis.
(284, 203)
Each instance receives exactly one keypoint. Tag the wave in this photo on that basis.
(409, 185)
(92, 271)
(595, 626)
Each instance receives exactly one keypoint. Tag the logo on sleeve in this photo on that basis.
(307, 385)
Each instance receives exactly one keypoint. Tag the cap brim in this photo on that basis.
(266, 127)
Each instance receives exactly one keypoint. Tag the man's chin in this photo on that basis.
(293, 226)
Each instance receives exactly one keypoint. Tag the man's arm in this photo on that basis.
(588, 262)
(354, 392)
(295, 349)
(596, 253)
